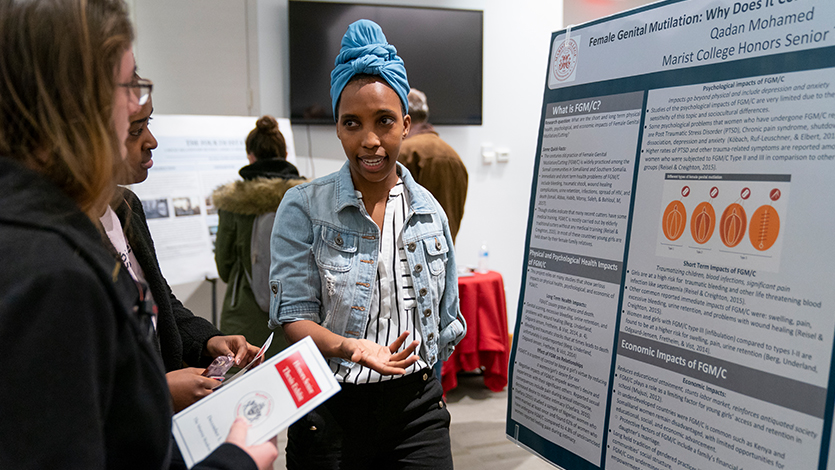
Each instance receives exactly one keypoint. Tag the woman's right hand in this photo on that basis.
(187, 386)
(383, 359)
(263, 454)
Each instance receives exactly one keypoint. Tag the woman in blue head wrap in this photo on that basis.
(362, 262)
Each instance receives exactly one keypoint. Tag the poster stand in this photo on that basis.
(676, 307)
(195, 155)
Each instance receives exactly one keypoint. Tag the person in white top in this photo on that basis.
(349, 255)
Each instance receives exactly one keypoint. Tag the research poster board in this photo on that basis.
(195, 154)
(677, 307)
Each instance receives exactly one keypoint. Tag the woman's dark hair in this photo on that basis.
(265, 142)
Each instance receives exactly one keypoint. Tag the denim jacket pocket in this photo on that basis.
(335, 250)
(436, 254)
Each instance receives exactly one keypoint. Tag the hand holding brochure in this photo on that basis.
(270, 397)
(253, 363)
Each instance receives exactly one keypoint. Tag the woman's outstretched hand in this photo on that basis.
(383, 359)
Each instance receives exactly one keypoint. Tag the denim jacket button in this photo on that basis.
(275, 289)
(431, 336)
(339, 240)
(412, 246)
(427, 312)
(437, 244)
(422, 292)
(418, 268)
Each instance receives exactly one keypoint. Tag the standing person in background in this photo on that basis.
(181, 336)
(433, 163)
(246, 213)
(85, 388)
(363, 264)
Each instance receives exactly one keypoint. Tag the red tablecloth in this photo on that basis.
(486, 344)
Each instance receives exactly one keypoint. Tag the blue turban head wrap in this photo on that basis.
(365, 51)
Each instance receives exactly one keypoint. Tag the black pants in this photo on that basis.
(398, 424)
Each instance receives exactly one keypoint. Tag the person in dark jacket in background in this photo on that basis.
(265, 180)
(182, 337)
(85, 388)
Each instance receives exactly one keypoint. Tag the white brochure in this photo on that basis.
(271, 397)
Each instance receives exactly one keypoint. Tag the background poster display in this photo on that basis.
(195, 155)
(677, 302)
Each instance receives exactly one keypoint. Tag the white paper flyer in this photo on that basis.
(271, 397)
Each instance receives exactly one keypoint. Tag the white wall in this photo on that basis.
(516, 48)
(178, 44)
(581, 11)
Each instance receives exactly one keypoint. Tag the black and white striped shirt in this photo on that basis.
(393, 300)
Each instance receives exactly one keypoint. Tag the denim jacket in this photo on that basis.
(324, 262)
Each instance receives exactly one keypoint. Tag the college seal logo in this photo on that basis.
(565, 60)
(255, 407)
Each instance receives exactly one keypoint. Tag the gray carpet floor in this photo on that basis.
(477, 431)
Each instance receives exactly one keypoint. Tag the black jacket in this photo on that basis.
(83, 386)
(182, 335)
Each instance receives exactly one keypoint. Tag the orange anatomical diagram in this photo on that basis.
(703, 222)
(765, 226)
(674, 220)
(732, 225)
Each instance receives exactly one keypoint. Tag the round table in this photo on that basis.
(486, 345)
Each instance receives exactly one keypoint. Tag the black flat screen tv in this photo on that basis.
(442, 50)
